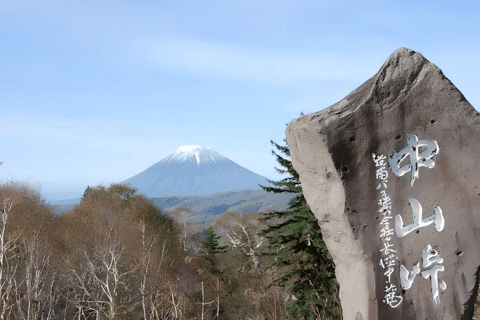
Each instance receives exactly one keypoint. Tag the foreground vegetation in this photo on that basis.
(116, 256)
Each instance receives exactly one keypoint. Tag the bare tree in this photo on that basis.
(247, 242)
(103, 283)
(8, 265)
(181, 215)
(35, 297)
(26, 277)
(157, 303)
(145, 263)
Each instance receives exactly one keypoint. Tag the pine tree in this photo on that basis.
(210, 245)
(296, 242)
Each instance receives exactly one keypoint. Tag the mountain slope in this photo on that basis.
(242, 202)
(194, 170)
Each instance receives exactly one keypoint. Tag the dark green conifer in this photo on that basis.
(210, 245)
(296, 242)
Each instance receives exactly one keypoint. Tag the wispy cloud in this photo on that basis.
(239, 62)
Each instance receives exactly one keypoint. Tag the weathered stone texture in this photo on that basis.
(332, 152)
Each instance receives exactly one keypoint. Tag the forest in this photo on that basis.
(117, 256)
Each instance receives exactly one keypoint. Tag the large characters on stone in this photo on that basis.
(391, 174)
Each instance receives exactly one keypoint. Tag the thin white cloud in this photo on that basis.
(233, 61)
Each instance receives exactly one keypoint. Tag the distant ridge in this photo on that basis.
(194, 170)
(210, 207)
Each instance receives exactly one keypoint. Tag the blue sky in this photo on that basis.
(94, 92)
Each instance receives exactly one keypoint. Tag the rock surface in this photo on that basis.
(384, 271)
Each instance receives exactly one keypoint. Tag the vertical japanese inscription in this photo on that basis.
(387, 262)
(432, 263)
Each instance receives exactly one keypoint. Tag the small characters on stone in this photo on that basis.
(385, 205)
(381, 172)
(391, 298)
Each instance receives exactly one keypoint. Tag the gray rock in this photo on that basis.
(332, 151)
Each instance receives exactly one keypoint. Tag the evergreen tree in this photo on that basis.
(296, 242)
(87, 192)
(210, 245)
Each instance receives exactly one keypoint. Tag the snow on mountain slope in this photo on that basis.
(194, 170)
(194, 152)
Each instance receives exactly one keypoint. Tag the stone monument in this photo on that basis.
(392, 174)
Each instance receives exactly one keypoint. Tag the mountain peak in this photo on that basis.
(194, 170)
(194, 153)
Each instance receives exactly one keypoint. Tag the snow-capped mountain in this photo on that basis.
(194, 170)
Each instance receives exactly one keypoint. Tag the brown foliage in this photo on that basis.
(115, 255)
